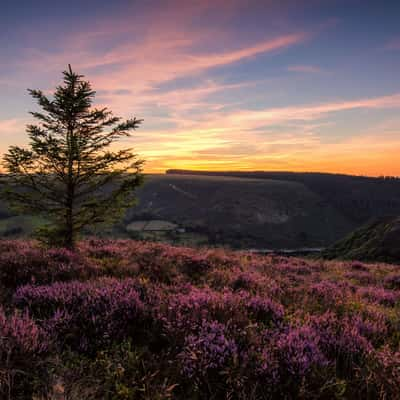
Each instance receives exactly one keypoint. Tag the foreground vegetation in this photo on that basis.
(133, 320)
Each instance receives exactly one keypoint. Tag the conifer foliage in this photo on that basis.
(70, 173)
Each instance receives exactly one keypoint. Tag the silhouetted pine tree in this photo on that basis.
(69, 174)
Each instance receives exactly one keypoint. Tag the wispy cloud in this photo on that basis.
(158, 59)
(278, 43)
(251, 119)
(310, 69)
(168, 52)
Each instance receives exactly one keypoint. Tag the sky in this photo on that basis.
(306, 85)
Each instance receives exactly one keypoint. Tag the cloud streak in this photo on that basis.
(311, 112)
(309, 69)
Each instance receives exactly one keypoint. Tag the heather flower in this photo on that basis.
(358, 266)
(25, 262)
(341, 337)
(374, 327)
(195, 265)
(256, 282)
(23, 348)
(265, 310)
(380, 295)
(85, 312)
(210, 350)
(329, 293)
(299, 350)
(385, 366)
(363, 277)
(184, 312)
(267, 365)
(245, 280)
(296, 269)
(392, 280)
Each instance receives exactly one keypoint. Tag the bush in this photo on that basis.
(207, 355)
(23, 349)
(24, 262)
(86, 315)
(119, 373)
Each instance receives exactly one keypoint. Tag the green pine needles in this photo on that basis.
(70, 174)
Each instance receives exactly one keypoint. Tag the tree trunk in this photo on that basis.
(69, 241)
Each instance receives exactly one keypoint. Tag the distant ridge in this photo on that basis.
(268, 174)
(358, 198)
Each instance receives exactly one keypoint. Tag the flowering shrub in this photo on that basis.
(361, 277)
(392, 281)
(185, 313)
(23, 347)
(265, 310)
(253, 281)
(300, 351)
(85, 315)
(344, 341)
(207, 351)
(329, 293)
(380, 295)
(199, 323)
(122, 371)
(386, 372)
(358, 266)
(22, 262)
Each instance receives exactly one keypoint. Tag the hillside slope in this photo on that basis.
(254, 210)
(358, 198)
(376, 241)
(242, 212)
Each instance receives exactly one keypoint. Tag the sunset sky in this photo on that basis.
(221, 84)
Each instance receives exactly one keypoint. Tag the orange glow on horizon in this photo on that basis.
(383, 165)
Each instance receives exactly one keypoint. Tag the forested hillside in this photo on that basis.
(254, 210)
(359, 198)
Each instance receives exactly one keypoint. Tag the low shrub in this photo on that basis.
(25, 262)
(86, 315)
(23, 350)
(120, 372)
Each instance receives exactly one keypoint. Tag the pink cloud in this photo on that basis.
(157, 60)
(311, 112)
(393, 44)
(171, 49)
